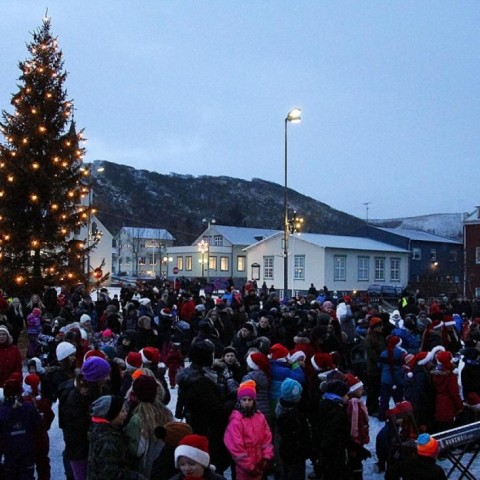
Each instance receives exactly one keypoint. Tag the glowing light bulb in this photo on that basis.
(34, 111)
(49, 95)
(54, 206)
(10, 178)
(42, 129)
(34, 197)
(25, 140)
(35, 165)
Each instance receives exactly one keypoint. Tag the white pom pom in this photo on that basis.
(394, 387)
(409, 374)
(455, 371)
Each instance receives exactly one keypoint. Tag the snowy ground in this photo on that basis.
(56, 448)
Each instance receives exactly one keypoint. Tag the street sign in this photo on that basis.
(175, 270)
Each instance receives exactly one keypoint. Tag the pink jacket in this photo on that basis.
(249, 440)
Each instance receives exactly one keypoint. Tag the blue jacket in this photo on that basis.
(391, 373)
(280, 371)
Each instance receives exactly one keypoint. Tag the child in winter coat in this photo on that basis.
(192, 458)
(174, 363)
(295, 443)
(359, 429)
(248, 437)
(34, 327)
(19, 422)
(41, 442)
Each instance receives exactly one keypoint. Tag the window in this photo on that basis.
(340, 271)
(241, 265)
(416, 254)
(379, 269)
(152, 260)
(363, 268)
(141, 260)
(224, 264)
(212, 263)
(208, 240)
(268, 268)
(299, 268)
(433, 254)
(218, 240)
(180, 263)
(395, 269)
(477, 255)
(188, 263)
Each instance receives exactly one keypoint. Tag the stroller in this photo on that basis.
(181, 333)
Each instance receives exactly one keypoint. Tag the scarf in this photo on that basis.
(358, 415)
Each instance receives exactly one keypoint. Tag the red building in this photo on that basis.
(471, 247)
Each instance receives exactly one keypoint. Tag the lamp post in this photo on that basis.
(203, 248)
(294, 116)
(294, 225)
(166, 261)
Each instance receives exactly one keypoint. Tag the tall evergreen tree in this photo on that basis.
(42, 183)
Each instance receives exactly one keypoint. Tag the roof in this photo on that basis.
(345, 242)
(242, 235)
(419, 235)
(149, 233)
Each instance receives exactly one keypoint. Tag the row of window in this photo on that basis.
(417, 255)
(340, 268)
(186, 263)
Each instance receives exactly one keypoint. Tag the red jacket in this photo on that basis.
(10, 362)
(448, 403)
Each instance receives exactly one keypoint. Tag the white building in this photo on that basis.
(341, 263)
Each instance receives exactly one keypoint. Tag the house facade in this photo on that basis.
(221, 255)
(341, 263)
(142, 251)
(436, 262)
(471, 245)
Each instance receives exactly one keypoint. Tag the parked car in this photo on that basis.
(385, 291)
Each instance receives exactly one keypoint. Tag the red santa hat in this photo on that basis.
(194, 447)
(94, 353)
(393, 341)
(133, 360)
(165, 312)
(323, 361)
(150, 355)
(353, 382)
(445, 360)
(278, 352)
(473, 400)
(31, 385)
(258, 361)
(297, 356)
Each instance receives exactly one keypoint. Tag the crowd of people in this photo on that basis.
(263, 385)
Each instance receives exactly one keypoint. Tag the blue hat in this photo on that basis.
(95, 369)
(291, 390)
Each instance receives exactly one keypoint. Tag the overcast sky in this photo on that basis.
(389, 90)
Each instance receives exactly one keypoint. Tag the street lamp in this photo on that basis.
(294, 116)
(166, 261)
(209, 221)
(294, 225)
(203, 248)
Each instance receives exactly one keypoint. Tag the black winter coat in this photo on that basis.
(421, 468)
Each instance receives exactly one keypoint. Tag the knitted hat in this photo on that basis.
(95, 369)
(291, 390)
(145, 388)
(229, 350)
(12, 388)
(353, 382)
(249, 326)
(427, 446)
(445, 360)
(247, 389)
(133, 360)
(64, 350)
(172, 432)
(3, 328)
(31, 385)
(278, 352)
(375, 322)
(297, 356)
(85, 318)
(337, 387)
(107, 333)
(107, 407)
(109, 352)
(150, 355)
(258, 361)
(194, 447)
(322, 361)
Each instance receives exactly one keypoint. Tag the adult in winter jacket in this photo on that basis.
(107, 453)
(470, 375)
(201, 403)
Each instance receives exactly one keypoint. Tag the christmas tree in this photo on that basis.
(43, 187)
